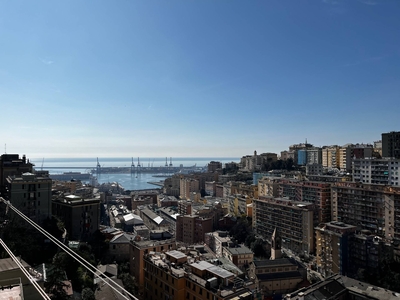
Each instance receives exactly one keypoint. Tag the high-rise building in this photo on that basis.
(81, 217)
(268, 186)
(376, 171)
(191, 229)
(12, 165)
(330, 157)
(314, 155)
(318, 193)
(293, 220)
(391, 144)
(187, 186)
(332, 247)
(371, 207)
(31, 195)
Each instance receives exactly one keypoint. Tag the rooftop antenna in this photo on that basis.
(42, 164)
(5, 148)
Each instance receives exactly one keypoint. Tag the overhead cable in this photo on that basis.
(25, 271)
(73, 254)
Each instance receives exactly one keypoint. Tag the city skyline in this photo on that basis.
(196, 79)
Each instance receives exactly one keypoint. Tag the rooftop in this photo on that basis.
(274, 262)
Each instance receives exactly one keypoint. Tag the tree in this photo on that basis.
(241, 230)
(55, 284)
(87, 294)
(258, 248)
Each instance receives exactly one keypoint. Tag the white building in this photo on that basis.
(376, 171)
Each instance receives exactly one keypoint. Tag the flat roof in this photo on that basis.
(203, 265)
(176, 254)
(7, 264)
(158, 220)
(274, 262)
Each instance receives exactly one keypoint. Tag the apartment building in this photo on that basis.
(31, 195)
(217, 240)
(249, 190)
(391, 144)
(211, 188)
(302, 157)
(176, 275)
(269, 186)
(318, 193)
(172, 186)
(81, 216)
(214, 166)
(12, 165)
(365, 206)
(333, 247)
(185, 207)
(255, 162)
(391, 199)
(188, 186)
(330, 157)
(345, 157)
(237, 204)
(365, 249)
(191, 229)
(314, 155)
(293, 219)
(138, 249)
(376, 171)
(314, 169)
(349, 152)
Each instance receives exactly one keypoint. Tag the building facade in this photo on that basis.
(293, 220)
(31, 195)
(191, 229)
(376, 171)
(391, 144)
(333, 247)
(81, 217)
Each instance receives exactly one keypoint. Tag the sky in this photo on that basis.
(207, 78)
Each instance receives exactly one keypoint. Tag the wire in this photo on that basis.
(74, 255)
(29, 276)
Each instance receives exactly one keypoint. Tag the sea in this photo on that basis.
(136, 181)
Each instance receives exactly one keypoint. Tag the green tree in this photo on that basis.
(129, 283)
(87, 294)
(259, 249)
(241, 230)
(55, 284)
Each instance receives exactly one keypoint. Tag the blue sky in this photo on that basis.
(196, 78)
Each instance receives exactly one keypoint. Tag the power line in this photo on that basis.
(74, 255)
(26, 273)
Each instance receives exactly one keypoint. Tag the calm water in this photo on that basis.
(128, 181)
